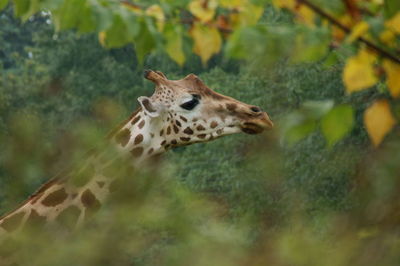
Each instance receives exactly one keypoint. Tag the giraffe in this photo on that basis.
(180, 112)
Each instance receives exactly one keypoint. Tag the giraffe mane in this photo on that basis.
(121, 125)
(37, 193)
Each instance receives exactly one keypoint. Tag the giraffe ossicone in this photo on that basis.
(180, 112)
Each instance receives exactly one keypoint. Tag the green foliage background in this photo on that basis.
(238, 200)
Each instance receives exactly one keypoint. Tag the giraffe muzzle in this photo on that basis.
(257, 125)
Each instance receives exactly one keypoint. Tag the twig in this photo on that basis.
(332, 20)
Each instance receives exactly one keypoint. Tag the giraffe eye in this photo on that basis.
(190, 105)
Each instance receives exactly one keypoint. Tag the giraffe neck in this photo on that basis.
(141, 137)
(72, 198)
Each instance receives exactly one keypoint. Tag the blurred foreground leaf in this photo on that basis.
(359, 72)
(3, 4)
(207, 41)
(337, 123)
(393, 77)
(174, 46)
(302, 122)
(379, 121)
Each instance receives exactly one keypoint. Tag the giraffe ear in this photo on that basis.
(150, 109)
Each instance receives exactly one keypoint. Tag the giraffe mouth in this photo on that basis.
(257, 126)
(252, 128)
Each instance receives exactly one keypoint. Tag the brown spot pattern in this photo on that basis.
(200, 128)
(35, 221)
(201, 136)
(231, 106)
(183, 118)
(39, 193)
(90, 201)
(185, 139)
(188, 131)
(138, 139)
(213, 124)
(84, 176)
(69, 217)
(168, 130)
(135, 120)
(176, 129)
(141, 124)
(136, 152)
(12, 222)
(123, 137)
(55, 198)
(101, 184)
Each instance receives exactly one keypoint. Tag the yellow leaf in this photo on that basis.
(247, 15)
(102, 38)
(393, 77)
(358, 30)
(387, 37)
(394, 23)
(174, 46)
(358, 73)
(305, 15)
(232, 3)
(289, 4)
(204, 10)
(251, 14)
(156, 12)
(378, 120)
(207, 41)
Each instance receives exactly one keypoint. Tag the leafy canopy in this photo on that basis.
(365, 34)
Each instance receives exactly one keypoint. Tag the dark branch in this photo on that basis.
(332, 20)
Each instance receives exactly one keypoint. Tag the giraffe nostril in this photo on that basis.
(255, 109)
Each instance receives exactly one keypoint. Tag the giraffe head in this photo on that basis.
(190, 112)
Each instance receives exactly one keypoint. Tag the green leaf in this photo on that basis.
(391, 7)
(337, 123)
(3, 4)
(131, 21)
(21, 7)
(173, 36)
(310, 45)
(86, 22)
(297, 133)
(241, 43)
(103, 17)
(117, 36)
(69, 14)
(276, 42)
(331, 59)
(145, 42)
(34, 7)
(300, 123)
(316, 109)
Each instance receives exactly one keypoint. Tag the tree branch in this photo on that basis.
(344, 28)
